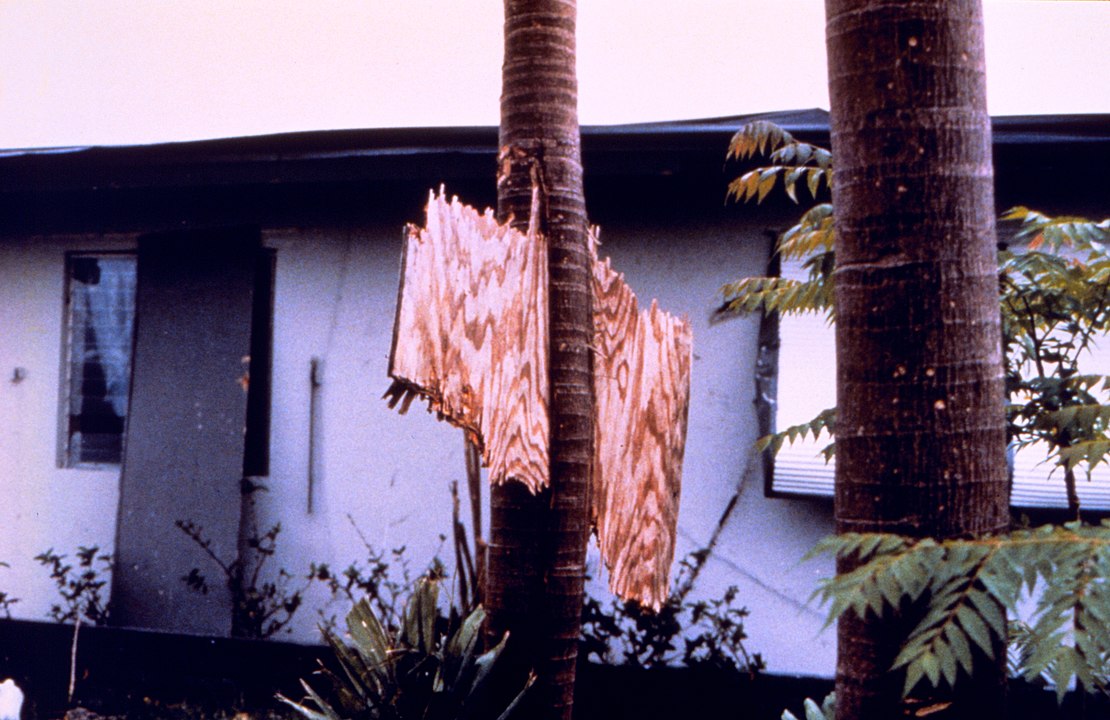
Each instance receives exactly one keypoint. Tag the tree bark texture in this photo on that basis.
(920, 427)
(538, 542)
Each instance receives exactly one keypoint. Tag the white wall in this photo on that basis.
(43, 506)
(761, 545)
(335, 293)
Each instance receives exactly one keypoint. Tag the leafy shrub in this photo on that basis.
(711, 632)
(1055, 303)
(383, 581)
(80, 586)
(261, 608)
(429, 668)
(1054, 295)
(970, 583)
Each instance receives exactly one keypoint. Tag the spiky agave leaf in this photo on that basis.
(421, 671)
(322, 711)
(825, 711)
(418, 630)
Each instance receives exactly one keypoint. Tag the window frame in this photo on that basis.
(799, 471)
(66, 380)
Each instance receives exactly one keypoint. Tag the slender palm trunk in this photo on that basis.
(920, 426)
(538, 543)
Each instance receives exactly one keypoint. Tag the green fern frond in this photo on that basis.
(757, 137)
(813, 235)
(969, 584)
(825, 421)
(770, 295)
(1038, 229)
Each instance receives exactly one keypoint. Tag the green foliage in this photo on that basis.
(810, 239)
(1055, 304)
(1054, 293)
(791, 160)
(1039, 229)
(1054, 280)
(970, 584)
(383, 580)
(825, 711)
(824, 422)
(80, 586)
(429, 668)
(6, 600)
(711, 631)
(261, 606)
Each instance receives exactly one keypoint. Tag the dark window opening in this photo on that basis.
(256, 451)
(100, 323)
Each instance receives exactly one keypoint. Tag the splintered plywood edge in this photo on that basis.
(471, 338)
(642, 385)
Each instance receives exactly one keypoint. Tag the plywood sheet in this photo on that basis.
(471, 335)
(471, 338)
(642, 389)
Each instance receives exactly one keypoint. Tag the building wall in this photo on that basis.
(43, 505)
(384, 477)
(762, 540)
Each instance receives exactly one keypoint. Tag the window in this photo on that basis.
(100, 304)
(807, 386)
(100, 329)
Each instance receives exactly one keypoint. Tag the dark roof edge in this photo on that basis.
(1022, 129)
(660, 148)
(430, 138)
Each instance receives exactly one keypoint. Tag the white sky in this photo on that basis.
(138, 71)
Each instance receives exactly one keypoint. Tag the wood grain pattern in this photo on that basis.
(471, 335)
(471, 338)
(642, 384)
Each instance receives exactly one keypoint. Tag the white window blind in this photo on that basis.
(807, 385)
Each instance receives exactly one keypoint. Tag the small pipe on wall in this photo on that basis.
(315, 379)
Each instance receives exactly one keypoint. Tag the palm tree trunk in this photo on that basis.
(538, 543)
(920, 426)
